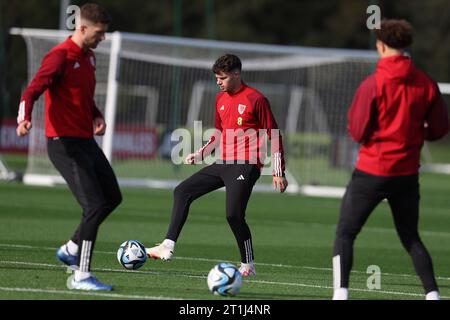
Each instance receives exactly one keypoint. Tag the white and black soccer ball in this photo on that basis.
(132, 254)
(224, 279)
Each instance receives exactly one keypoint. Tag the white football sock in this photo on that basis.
(72, 248)
(169, 244)
(432, 295)
(340, 294)
(79, 275)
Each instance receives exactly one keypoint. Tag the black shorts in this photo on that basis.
(86, 170)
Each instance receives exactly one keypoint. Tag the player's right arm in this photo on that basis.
(209, 147)
(206, 150)
(51, 69)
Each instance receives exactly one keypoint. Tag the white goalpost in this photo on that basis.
(433, 161)
(148, 86)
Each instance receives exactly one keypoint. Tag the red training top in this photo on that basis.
(393, 111)
(242, 121)
(67, 75)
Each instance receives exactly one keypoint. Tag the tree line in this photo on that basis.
(325, 23)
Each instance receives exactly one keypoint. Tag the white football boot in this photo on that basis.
(247, 269)
(340, 294)
(433, 295)
(163, 251)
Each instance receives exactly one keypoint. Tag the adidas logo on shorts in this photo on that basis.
(241, 177)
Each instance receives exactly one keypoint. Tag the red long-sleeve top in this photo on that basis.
(243, 122)
(393, 111)
(67, 76)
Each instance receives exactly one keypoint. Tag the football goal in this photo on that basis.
(148, 86)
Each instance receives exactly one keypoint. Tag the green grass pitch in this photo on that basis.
(292, 235)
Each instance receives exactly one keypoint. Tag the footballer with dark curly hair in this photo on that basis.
(393, 111)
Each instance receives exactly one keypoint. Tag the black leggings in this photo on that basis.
(363, 194)
(238, 180)
(92, 181)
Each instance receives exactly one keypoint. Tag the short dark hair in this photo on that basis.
(95, 13)
(397, 34)
(227, 63)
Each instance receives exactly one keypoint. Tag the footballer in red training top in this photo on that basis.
(67, 76)
(243, 120)
(393, 112)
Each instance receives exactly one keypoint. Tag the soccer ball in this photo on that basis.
(224, 279)
(132, 254)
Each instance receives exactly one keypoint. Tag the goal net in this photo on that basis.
(436, 155)
(150, 86)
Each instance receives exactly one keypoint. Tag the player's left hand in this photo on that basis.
(99, 126)
(280, 183)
